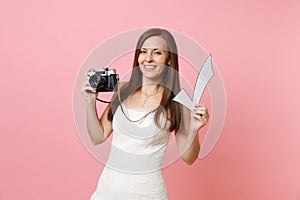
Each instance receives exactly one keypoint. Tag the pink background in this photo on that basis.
(255, 45)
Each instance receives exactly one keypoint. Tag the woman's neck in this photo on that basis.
(151, 85)
(150, 88)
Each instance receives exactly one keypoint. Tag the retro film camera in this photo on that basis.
(104, 80)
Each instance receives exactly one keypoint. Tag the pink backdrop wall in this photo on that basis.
(255, 45)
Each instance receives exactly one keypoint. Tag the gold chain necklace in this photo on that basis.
(148, 96)
(138, 120)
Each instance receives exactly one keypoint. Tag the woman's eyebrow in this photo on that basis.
(154, 49)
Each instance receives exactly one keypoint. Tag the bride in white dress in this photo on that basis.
(142, 116)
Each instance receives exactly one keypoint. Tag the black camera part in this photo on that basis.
(104, 80)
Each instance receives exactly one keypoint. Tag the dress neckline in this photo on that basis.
(141, 109)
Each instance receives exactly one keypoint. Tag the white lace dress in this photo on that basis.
(133, 170)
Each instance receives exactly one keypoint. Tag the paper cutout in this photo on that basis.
(204, 77)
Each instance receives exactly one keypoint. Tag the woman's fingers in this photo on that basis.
(199, 105)
(200, 113)
(88, 89)
(200, 109)
(198, 117)
(89, 93)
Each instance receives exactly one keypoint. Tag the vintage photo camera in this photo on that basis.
(104, 80)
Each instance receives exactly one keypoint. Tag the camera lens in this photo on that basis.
(94, 81)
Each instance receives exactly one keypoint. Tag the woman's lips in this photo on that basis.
(149, 67)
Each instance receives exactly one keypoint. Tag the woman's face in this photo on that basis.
(153, 58)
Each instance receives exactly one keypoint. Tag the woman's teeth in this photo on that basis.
(150, 66)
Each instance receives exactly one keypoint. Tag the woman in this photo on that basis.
(142, 116)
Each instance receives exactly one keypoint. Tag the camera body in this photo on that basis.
(104, 80)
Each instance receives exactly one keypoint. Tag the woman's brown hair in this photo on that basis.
(170, 81)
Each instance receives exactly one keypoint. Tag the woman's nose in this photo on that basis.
(149, 57)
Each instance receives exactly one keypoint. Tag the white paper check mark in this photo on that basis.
(204, 77)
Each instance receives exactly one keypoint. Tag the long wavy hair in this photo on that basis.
(170, 81)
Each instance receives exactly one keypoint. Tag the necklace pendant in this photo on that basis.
(145, 100)
(148, 96)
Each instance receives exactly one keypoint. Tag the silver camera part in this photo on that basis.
(103, 72)
(91, 72)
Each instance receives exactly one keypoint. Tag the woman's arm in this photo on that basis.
(98, 129)
(187, 137)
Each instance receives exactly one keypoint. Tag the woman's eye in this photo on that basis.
(143, 52)
(157, 52)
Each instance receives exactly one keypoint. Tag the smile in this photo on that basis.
(149, 66)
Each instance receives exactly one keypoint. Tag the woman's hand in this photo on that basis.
(199, 117)
(89, 93)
